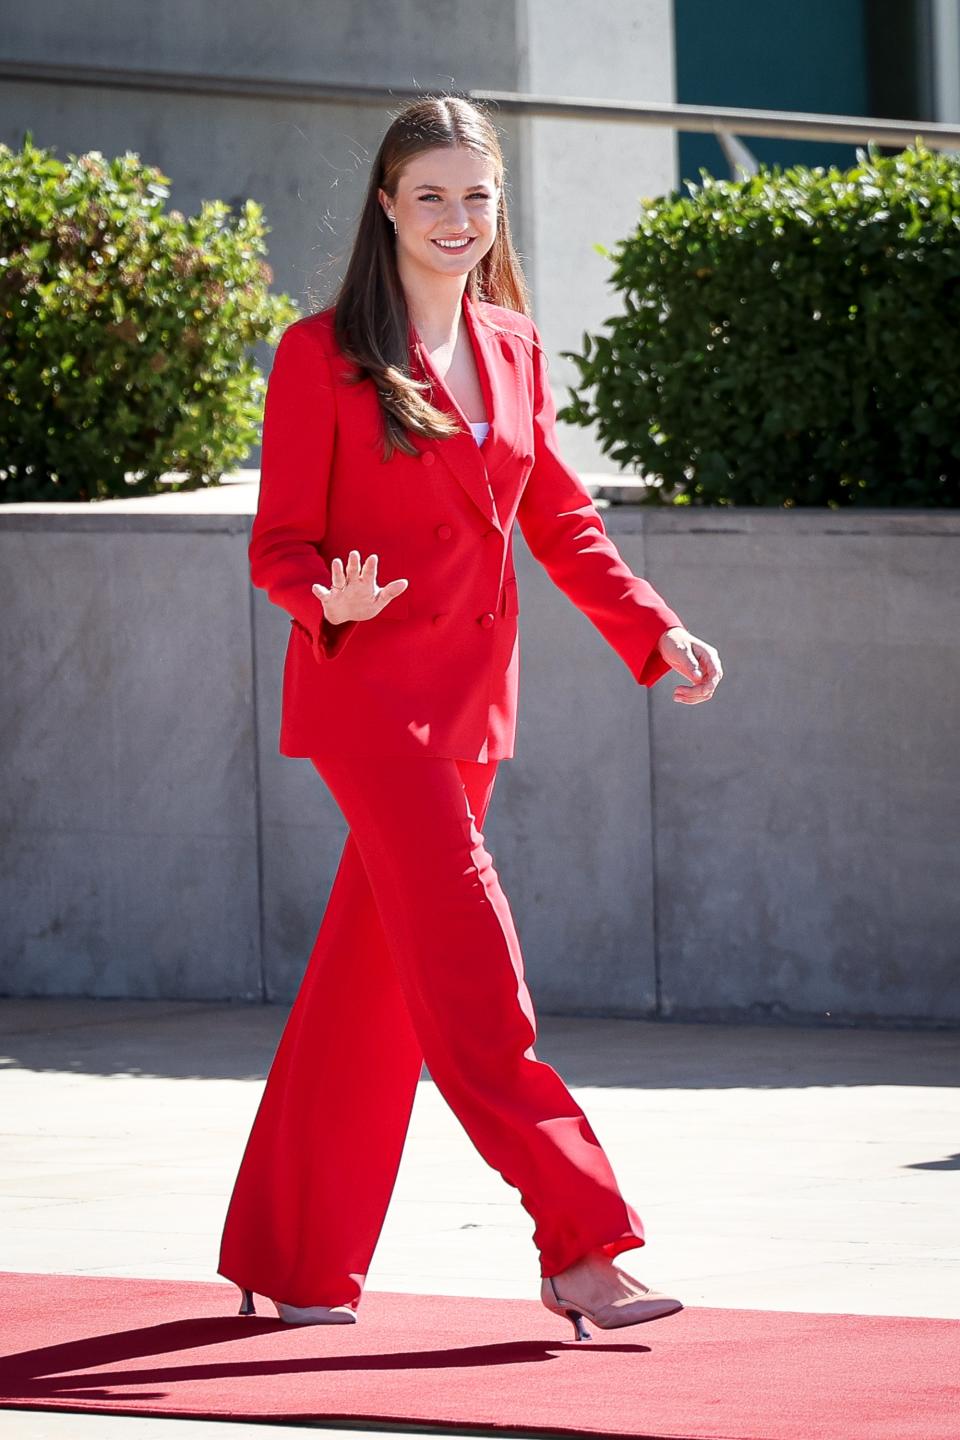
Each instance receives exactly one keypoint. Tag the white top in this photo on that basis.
(480, 430)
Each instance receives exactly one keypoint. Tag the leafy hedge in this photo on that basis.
(788, 339)
(126, 329)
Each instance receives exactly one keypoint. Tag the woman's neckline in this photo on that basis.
(470, 318)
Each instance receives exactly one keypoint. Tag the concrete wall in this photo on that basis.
(789, 849)
(569, 183)
(580, 182)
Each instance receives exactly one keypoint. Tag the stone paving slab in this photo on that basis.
(39, 1425)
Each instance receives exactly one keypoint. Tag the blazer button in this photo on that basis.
(442, 615)
(443, 532)
(428, 457)
(486, 620)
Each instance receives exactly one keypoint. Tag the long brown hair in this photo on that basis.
(371, 323)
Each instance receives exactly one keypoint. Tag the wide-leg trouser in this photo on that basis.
(417, 957)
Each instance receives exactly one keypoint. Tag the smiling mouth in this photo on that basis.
(454, 249)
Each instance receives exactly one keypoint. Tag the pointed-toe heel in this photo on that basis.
(302, 1314)
(651, 1306)
(316, 1314)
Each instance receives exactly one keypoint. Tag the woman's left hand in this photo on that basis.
(695, 660)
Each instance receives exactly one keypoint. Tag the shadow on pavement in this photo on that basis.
(223, 1041)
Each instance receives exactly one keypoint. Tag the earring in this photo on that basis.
(394, 219)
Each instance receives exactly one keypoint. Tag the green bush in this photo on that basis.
(126, 330)
(788, 339)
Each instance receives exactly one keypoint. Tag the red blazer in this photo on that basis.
(436, 672)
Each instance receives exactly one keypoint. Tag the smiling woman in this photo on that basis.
(457, 216)
(371, 452)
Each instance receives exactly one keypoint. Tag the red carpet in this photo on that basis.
(162, 1347)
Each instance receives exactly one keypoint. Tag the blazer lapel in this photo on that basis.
(498, 369)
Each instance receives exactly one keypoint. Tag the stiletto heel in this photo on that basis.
(557, 1306)
(301, 1314)
(580, 1330)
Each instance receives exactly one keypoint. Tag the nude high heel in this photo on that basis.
(651, 1306)
(302, 1314)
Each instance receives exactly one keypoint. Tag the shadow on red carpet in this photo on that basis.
(172, 1348)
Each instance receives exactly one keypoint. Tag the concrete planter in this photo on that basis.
(787, 851)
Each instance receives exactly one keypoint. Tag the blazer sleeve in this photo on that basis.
(299, 429)
(565, 532)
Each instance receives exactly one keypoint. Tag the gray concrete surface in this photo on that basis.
(129, 800)
(810, 827)
(782, 1169)
(789, 850)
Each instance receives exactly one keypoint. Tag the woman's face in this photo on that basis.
(447, 193)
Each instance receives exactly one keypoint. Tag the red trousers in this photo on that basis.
(417, 958)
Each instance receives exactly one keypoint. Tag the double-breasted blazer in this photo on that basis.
(436, 672)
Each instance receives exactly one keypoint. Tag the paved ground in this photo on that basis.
(780, 1168)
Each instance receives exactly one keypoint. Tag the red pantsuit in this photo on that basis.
(405, 718)
(447, 987)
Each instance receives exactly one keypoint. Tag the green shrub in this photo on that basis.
(788, 339)
(126, 329)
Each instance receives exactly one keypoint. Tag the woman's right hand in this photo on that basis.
(352, 593)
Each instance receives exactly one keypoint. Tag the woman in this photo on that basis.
(406, 427)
